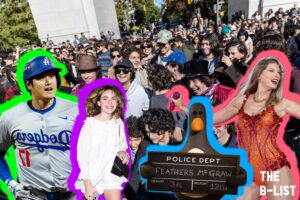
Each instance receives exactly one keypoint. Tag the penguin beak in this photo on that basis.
(197, 125)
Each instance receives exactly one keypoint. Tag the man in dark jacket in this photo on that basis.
(233, 64)
(138, 149)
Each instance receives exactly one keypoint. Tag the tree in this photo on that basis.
(176, 9)
(186, 9)
(145, 12)
(122, 13)
(17, 26)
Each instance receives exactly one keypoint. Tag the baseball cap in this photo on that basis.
(125, 63)
(164, 36)
(38, 66)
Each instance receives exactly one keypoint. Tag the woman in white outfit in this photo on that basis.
(101, 139)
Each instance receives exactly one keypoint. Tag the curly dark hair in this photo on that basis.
(158, 120)
(133, 128)
(159, 77)
(130, 50)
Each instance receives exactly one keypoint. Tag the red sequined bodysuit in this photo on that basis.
(257, 134)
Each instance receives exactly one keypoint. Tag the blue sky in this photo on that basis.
(158, 2)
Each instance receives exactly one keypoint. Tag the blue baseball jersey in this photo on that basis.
(41, 141)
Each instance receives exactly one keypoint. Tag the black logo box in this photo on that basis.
(192, 172)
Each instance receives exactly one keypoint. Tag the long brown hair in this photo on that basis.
(251, 84)
(92, 107)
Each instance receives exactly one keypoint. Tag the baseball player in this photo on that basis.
(40, 131)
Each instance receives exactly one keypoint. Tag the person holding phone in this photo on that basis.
(101, 139)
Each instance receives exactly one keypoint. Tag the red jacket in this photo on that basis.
(221, 93)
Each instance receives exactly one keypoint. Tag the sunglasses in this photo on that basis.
(147, 46)
(120, 70)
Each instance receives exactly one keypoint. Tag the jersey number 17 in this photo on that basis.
(24, 156)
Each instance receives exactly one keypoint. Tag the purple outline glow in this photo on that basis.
(78, 124)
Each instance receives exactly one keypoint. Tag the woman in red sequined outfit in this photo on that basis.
(259, 108)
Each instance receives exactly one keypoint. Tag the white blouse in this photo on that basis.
(98, 144)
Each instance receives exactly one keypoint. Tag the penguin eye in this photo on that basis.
(200, 112)
(195, 112)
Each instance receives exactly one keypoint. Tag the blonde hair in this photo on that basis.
(251, 84)
(92, 108)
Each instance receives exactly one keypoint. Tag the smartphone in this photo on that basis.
(95, 195)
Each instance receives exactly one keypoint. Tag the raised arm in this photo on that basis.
(229, 111)
(292, 108)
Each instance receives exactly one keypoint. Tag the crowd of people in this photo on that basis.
(208, 59)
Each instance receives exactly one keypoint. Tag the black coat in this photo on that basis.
(133, 185)
(231, 75)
